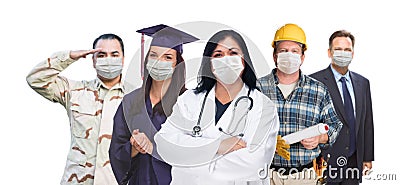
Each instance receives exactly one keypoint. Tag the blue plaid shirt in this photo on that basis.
(308, 104)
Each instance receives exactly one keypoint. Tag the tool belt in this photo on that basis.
(320, 166)
(291, 170)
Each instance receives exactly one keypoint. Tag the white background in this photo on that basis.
(35, 133)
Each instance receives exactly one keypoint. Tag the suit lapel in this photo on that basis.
(357, 95)
(330, 81)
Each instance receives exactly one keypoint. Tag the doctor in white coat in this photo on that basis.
(224, 131)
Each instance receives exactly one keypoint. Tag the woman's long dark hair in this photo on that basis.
(206, 79)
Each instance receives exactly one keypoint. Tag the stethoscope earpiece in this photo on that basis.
(220, 129)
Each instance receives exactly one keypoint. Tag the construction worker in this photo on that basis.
(301, 102)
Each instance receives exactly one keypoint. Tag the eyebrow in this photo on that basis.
(234, 48)
(289, 49)
(230, 49)
(114, 52)
(167, 54)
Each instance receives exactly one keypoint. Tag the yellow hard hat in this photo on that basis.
(290, 32)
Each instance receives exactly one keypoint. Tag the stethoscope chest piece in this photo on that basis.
(197, 131)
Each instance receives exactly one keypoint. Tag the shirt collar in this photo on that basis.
(300, 83)
(338, 76)
(100, 83)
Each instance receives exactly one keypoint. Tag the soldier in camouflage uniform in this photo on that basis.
(90, 106)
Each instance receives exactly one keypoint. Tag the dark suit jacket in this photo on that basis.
(364, 123)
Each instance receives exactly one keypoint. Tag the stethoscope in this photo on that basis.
(197, 132)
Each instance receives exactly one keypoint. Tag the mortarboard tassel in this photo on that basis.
(142, 57)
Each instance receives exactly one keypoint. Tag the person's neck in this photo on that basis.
(158, 90)
(341, 70)
(225, 93)
(109, 83)
(287, 78)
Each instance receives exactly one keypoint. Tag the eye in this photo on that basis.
(101, 55)
(152, 55)
(169, 57)
(348, 49)
(338, 49)
(217, 55)
(296, 51)
(282, 51)
(234, 53)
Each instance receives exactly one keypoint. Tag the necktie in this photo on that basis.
(348, 107)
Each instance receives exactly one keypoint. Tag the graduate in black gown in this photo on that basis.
(133, 154)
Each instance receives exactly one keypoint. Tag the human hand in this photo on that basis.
(134, 152)
(282, 148)
(367, 166)
(141, 142)
(231, 144)
(310, 143)
(75, 55)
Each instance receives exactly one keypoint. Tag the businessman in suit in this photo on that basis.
(350, 92)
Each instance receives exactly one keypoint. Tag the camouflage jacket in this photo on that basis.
(91, 107)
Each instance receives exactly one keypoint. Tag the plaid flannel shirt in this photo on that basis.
(309, 104)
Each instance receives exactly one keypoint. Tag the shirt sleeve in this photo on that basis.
(44, 77)
(330, 117)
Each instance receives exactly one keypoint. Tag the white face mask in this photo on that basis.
(342, 58)
(109, 67)
(288, 62)
(159, 70)
(227, 69)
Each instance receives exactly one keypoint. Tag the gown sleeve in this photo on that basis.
(120, 147)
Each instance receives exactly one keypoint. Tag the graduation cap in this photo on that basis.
(165, 36)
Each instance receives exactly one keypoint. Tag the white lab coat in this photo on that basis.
(195, 159)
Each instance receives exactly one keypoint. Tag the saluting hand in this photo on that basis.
(141, 142)
(75, 55)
